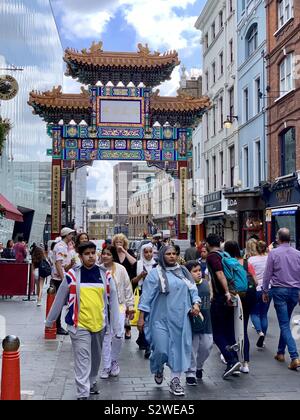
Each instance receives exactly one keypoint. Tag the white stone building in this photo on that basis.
(219, 156)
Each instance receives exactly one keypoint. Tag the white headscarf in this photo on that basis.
(143, 263)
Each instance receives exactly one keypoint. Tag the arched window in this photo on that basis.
(288, 151)
(252, 40)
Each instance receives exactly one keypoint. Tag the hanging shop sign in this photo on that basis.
(9, 88)
(56, 199)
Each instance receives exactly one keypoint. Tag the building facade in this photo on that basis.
(282, 194)
(29, 40)
(219, 160)
(251, 112)
(101, 226)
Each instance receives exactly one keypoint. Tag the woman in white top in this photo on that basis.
(112, 344)
(259, 314)
(145, 264)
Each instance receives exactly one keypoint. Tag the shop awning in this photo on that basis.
(285, 211)
(9, 211)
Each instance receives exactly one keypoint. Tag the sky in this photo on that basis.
(121, 25)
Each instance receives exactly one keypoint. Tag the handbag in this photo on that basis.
(134, 322)
(197, 323)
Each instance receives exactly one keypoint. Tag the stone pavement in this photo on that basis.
(47, 367)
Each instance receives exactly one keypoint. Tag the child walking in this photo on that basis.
(203, 338)
(87, 317)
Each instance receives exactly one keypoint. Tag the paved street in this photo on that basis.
(47, 367)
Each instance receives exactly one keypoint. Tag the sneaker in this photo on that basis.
(39, 303)
(115, 369)
(105, 373)
(94, 389)
(199, 373)
(245, 368)
(279, 357)
(295, 365)
(223, 359)
(231, 368)
(159, 377)
(191, 381)
(176, 388)
(260, 341)
(147, 353)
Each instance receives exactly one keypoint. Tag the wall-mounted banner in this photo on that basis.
(56, 199)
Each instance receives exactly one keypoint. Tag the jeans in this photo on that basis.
(248, 303)
(222, 317)
(259, 314)
(285, 300)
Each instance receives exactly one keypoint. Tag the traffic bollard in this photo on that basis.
(10, 378)
(50, 333)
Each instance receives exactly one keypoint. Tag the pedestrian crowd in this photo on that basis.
(181, 306)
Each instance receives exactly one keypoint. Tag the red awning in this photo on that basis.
(9, 210)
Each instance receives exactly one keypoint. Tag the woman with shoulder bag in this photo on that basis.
(43, 268)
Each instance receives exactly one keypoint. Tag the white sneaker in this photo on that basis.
(176, 388)
(39, 303)
(115, 369)
(223, 359)
(245, 368)
(105, 373)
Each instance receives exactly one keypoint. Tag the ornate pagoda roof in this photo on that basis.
(54, 105)
(93, 65)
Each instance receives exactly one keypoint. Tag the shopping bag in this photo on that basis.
(134, 322)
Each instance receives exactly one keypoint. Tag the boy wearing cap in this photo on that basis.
(62, 263)
(91, 310)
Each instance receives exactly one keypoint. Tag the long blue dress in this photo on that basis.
(167, 324)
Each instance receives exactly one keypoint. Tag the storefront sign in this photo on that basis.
(213, 207)
(216, 196)
(232, 204)
(56, 199)
(284, 196)
(268, 215)
(183, 215)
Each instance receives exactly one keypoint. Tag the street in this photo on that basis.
(47, 367)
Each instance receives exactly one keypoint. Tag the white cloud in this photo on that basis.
(163, 26)
(100, 181)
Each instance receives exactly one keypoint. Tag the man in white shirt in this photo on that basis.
(62, 263)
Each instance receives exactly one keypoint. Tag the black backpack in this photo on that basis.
(44, 269)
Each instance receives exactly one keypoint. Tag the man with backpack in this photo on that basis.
(222, 311)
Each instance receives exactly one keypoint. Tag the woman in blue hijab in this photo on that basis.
(169, 294)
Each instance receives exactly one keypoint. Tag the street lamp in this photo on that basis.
(229, 121)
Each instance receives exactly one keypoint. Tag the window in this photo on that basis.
(207, 176)
(288, 151)
(206, 41)
(214, 72)
(199, 155)
(258, 96)
(214, 119)
(207, 126)
(221, 113)
(213, 31)
(207, 81)
(214, 173)
(286, 75)
(246, 166)
(221, 19)
(231, 165)
(231, 101)
(221, 60)
(222, 169)
(246, 105)
(230, 6)
(257, 162)
(285, 11)
(251, 40)
(231, 51)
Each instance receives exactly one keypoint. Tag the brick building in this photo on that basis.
(282, 194)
